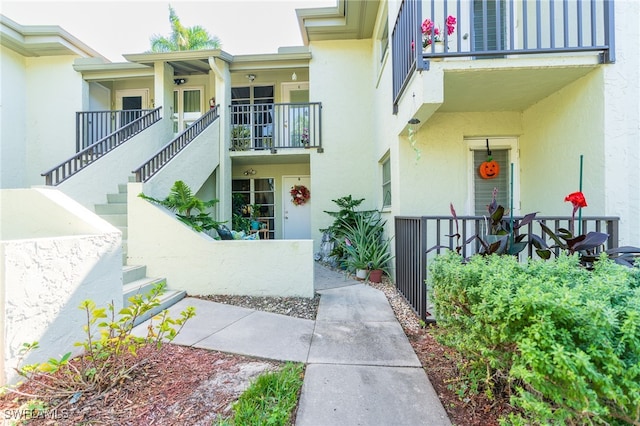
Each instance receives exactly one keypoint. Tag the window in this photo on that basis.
(255, 191)
(505, 152)
(384, 41)
(489, 25)
(252, 113)
(386, 183)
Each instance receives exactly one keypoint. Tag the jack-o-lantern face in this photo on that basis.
(489, 169)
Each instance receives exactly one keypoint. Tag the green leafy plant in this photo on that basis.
(346, 215)
(240, 137)
(270, 400)
(364, 244)
(562, 340)
(110, 351)
(182, 201)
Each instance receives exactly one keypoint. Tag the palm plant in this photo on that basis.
(182, 201)
(184, 38)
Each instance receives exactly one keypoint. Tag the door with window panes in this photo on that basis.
(258, 191)
(252, 113)
(187, 107)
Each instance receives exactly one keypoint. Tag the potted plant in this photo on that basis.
(366, 250)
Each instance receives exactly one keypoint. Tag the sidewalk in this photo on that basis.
(361, 369)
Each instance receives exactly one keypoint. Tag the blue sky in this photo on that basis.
(116, 27)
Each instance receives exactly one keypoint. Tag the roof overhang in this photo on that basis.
(42, 40)
(348, 20)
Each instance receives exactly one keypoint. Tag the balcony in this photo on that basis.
(490, 29)
(275, 126)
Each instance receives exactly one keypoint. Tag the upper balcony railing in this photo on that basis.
(497, 29)
(275, 126)
(97, 150)
(158, 160)
(91, 126)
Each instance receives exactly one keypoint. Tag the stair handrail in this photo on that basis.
(82, 159)
(158, 160)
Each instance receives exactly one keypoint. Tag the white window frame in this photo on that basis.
(509, 143)
(386, 160)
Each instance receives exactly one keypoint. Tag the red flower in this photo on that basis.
(577, 199)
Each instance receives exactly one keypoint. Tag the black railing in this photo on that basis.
(91, 126)
(415, 235)
(170, 150)
(275, 126)
(498, 28)
(93, 152)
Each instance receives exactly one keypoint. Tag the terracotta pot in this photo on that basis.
(375, 276)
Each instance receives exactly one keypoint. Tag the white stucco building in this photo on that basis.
(358, 110)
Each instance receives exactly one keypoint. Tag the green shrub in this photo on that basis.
(110, 351)
(563, 340)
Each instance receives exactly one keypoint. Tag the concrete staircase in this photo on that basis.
(134, 277)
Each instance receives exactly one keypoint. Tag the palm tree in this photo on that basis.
(184, 38)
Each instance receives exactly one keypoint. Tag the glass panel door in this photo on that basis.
(187, 107)
(254, 198)
(252, 117)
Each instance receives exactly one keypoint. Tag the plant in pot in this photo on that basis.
(366, 249)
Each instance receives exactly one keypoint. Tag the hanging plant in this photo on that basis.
(299, 195)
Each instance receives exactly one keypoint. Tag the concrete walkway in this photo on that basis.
(361, 369)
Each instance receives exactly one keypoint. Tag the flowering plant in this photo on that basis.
(304, 138)
(300, 195)
(431, 33)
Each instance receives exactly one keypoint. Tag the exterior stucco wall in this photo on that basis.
(13, 152)
(341, 75)
(90, 185)
(193, 165)
(556, 131)
(200, 265)
(47, 271)
(622, 125)
(440, 176)
(54, 92)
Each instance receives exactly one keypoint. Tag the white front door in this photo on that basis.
(187, 107)
(296, 218)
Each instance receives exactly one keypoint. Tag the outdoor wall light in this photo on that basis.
(249, 172)
(251, 77)
(179, 81)
(294, 76)
(414, 121)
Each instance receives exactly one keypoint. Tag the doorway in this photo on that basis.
(130, 103)
(296, 218)
(187, 107)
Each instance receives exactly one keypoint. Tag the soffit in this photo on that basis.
(517, 89)
(41, 40)
(197, 61)
(348, 20)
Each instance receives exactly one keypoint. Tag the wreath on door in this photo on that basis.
(299, 195)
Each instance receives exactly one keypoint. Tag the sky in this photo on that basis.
(113, 28)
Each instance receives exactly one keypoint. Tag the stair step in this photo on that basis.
(168, 299)
(131, 273)
(119, 208)
(122, 188)
(141, 286)
(120, 197)
(115, 219)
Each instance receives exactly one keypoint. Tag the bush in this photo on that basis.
(563, 341)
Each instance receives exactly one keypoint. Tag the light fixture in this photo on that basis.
(251, 77)
(249, 172)
(294, 76)
(179, 81)
(414, 121)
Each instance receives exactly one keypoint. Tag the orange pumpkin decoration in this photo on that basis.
(489, 169)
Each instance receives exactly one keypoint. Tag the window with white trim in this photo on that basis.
(386, 183)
